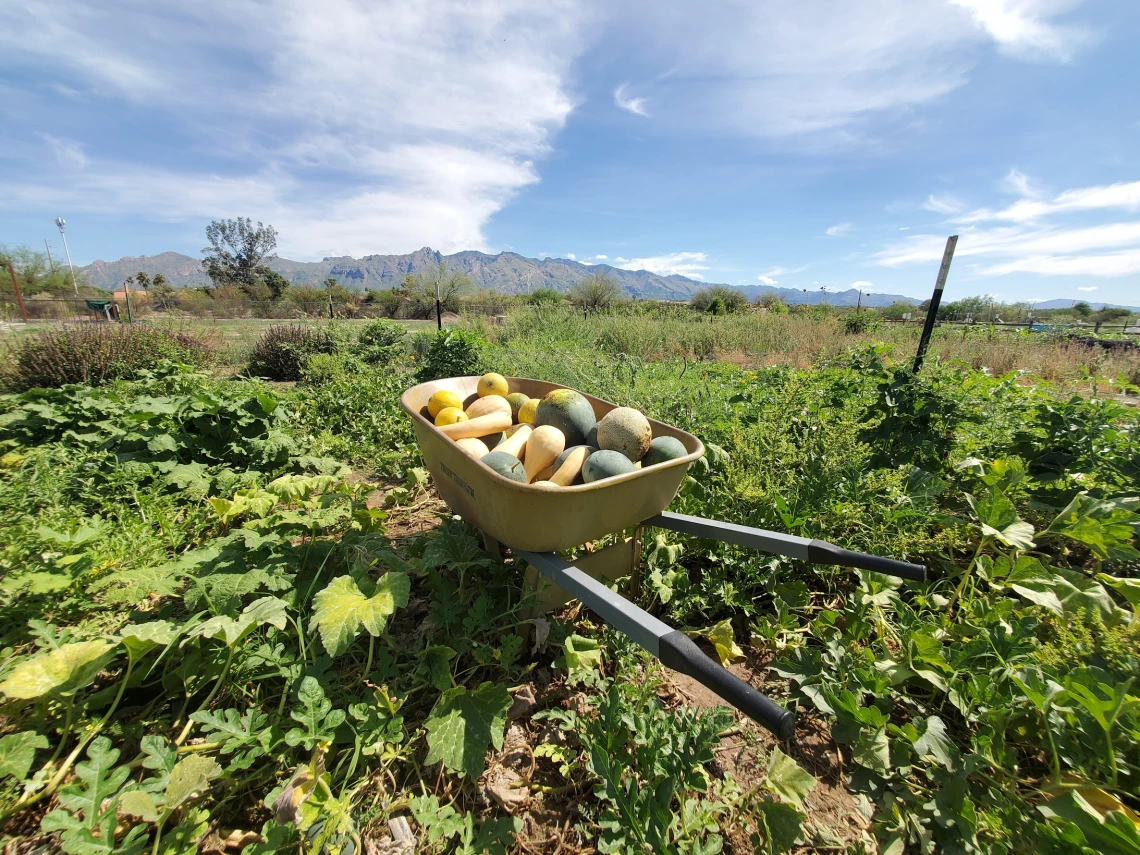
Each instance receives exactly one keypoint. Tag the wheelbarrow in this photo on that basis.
(536, 522)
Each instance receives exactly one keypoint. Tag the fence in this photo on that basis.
(79, 310)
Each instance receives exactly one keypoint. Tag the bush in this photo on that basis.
(97, 353)
(719, 300)
(281, 352)
(380, 341)
(447, 353)
(860, 322)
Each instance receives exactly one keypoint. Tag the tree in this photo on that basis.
(1082, 308)
(596, 292)
(237, 249)
(274, 281)
(143, 280)
(718, 299)
(418, 290)
(544, 297)
(1107, 315)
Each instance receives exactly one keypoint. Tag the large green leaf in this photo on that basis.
(997, 518)
(230, 630)
(787, 780)
(342, 608)
(17, 751)
(463, 724)
(62, 671)
(141, 638)
(1106, 527)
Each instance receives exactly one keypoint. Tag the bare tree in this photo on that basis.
(596, 292)
(237, 249)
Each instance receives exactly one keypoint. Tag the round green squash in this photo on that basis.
(569, 411)
(663, 448)
(605, 464)
(506, 465)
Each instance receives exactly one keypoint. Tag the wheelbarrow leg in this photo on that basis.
(675, 649)
(609, 564)
(492, 547)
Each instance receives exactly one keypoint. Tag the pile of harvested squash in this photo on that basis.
(552, 442)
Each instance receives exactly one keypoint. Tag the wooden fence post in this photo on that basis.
(19, 296)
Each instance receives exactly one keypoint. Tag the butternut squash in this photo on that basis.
(572, 464)
(544, 445)
(493, 423)
(516, 443)
(488, 405)
(473, 446)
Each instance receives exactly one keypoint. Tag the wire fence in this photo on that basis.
(66, 310)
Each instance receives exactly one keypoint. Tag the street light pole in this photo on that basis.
(59, 221)
(51, 260)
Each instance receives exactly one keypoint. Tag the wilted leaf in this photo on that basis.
(341, 609)
(17, 751)
(583, 656)
(139, 803)
(724, 640)
(787, 780)
(463, 724)
(62, 671)
(191, 776)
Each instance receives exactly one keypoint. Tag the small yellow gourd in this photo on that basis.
(544, 445)
(482, 426)
(516, 443)
(490, 404)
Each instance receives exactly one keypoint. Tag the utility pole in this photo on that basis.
(328, 290)
(51, 261)
(935, 301)
(19, 296)
(59, 221)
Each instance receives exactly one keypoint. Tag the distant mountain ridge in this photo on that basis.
(508, 272)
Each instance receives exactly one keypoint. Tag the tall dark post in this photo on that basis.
(19, 296)
(328, 292)
(438, 308)
(935, 301)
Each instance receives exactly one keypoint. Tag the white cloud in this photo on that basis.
(632, 105)
(1039, 235)
(767, 280)
(863, 285)
(1017, 182)
(353, 127)
(601, 257)
(840, 229)
(674, 263)
(942, 204)
(1021, 26)
(69, 153)
(1087, 288)
(571, 256)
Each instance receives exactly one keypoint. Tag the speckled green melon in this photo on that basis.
(506, 465)
(664, 448)
(605, 464)
(626, 430)
(592, 436)
(516, 399)
(568, 411)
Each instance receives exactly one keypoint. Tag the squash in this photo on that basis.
(571, 465)
(626, 430)
(605, 464)
(569, 411)
(544, 484)
(488, 405)
(506, 465)
(544, 445)
(493, 423)
(473, 446)
(516, 443)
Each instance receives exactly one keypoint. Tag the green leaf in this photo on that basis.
(1033, 581)
(871, 749)
(230, 630)
(787, 780)
(341, 609)
(583, 657)
(189, 778)
(192, 478)
(997, 518)
(1127, 588)
(462, 725)
(82, 802)
(780, 825)
(137, 584)
(724, 640)
(139, 803)
(141, 638)
(318, 718)
(1106, 527)
(237, 730)
(62, 671)
(17, 751)
(934, 742)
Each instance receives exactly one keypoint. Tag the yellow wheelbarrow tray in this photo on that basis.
(537, 521)
(541, 518)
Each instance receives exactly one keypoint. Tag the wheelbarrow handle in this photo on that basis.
(776, 543)
(675, 649)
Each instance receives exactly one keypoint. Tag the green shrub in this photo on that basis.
(447, 353)
(97, 353)
(860, 322)
(380, 341)
(281, 351)
(719, 300)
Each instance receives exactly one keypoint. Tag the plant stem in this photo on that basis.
(965, 576)
(158, 833)
(217, 685)
(371, 649)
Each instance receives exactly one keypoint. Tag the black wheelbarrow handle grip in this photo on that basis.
(679, 652)
(776, 543)
(675, 649)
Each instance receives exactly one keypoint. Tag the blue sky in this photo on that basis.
(822, 142)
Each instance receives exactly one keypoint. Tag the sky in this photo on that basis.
(820, 143)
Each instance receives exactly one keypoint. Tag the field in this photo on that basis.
(235, 618)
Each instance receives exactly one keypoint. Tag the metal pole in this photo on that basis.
(60, 222)
(328, 291)
(935, 301)
(19, 296)
(859, 302)
(127, 292)
(51, 261)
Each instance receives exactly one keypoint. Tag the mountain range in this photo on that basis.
(507, 271)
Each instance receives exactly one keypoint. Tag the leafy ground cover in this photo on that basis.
(233, 618)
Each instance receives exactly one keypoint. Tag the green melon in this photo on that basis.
(558, 461)
(592, 436)
(568, 411)
(516, 399)
(626, 430)
(506, 465)
(605, 464)
(664, 448)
